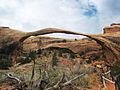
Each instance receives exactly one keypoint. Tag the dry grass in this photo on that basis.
(54, 73)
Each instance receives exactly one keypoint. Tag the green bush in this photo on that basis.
(5, 63)
(28, 57)
(115, 69)
(54, 60)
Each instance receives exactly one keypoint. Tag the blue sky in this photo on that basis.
(86, 16)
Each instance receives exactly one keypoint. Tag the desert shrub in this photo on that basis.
(115, 69)
(76, 39)
(54, 60)
(32, 55)
(88, 49)
(72, 56)
(28, 57)
(2, 74)
(95, 57)
(64, 40)
(81, 53)
(83, 82)
(5, 63)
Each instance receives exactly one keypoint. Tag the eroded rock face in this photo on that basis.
(8, 39)
(113, 28)
(8, 35)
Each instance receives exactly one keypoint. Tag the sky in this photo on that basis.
(85, 16)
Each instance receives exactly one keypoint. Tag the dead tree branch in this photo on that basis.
(12, 77)
(70, 81)
(59, 85)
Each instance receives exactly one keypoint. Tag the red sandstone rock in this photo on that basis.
(113, 28)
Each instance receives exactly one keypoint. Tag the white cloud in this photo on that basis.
(109, 11)
(87, 16)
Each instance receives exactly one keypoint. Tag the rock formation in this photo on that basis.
(18, 47)
(11, 40)
(113, 28)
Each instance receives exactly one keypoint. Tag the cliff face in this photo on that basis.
(8, 35)
(113, 28)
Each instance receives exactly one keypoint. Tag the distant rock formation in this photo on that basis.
(115, 27)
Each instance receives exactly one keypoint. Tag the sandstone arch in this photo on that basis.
(110, 47)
